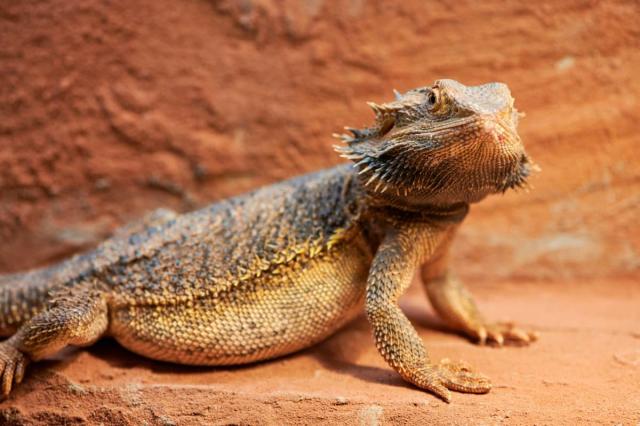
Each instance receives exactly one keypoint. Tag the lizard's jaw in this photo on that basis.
(517, 178)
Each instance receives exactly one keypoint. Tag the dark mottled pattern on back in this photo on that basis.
(209, 249)
(202, 252)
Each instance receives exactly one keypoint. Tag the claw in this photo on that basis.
(482, 336)
(534, 336)
(519, 335)
(496, 337)
(443, 393)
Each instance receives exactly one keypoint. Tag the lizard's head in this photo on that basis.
(443, 144)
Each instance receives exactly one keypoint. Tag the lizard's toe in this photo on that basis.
(12, 366)
(7, 378)
(21, 366)
(429, 379)
(506, 333)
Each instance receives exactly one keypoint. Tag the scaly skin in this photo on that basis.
(281, 268)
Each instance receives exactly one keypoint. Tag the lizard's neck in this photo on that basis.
(412, 202)
(454, 212)
(396, 205)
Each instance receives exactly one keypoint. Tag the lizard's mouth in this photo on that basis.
(517, 177)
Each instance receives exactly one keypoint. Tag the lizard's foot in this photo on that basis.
(12, 366)
(450, 375)
(502, 333)
(457, 308)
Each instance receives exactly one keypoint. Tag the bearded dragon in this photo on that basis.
(281, 268)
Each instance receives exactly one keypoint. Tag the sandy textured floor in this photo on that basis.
(584, 370)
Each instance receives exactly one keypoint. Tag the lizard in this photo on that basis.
(278, 269)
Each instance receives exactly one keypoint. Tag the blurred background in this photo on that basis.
(111, 109)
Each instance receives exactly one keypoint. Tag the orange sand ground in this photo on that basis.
(585, 369)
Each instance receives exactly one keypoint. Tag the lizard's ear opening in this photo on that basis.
(386, 116)
(362, 143)
(386, 126)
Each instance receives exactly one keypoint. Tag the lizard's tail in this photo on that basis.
(22, 295)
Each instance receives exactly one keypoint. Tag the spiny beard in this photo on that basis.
(517, 179)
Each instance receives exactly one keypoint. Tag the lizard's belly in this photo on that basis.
(273, 316)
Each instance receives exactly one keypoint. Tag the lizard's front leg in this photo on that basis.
(396, 339)
(75, 316)
(455, 305)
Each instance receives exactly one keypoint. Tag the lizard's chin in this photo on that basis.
(517, 178)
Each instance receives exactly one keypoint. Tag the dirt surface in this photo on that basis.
(111, 109)
(585, 369)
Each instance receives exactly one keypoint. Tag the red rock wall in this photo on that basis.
(109, 109)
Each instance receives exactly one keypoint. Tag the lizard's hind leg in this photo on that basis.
(74, 316)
